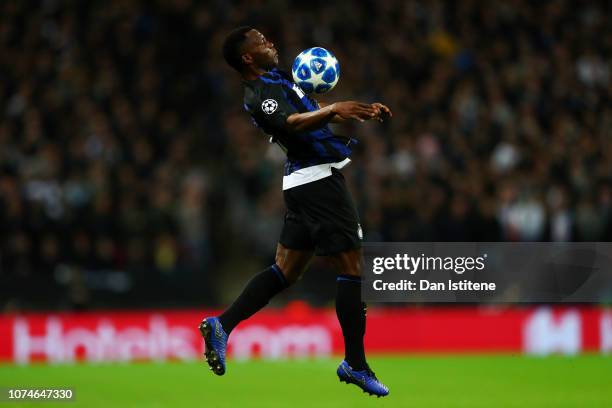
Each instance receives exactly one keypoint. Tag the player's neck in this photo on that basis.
(252, 73)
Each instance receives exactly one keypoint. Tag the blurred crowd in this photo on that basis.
(129, 171)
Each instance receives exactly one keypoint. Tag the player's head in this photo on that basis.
(245, 48)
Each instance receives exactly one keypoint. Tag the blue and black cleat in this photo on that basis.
(364, 379)
(215, 340)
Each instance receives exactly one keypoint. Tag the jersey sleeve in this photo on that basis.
(272, 108)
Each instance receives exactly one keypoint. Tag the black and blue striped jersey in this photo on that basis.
(270, 100)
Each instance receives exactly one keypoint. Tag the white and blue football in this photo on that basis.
(316, 70)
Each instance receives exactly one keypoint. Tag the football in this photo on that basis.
(316, 70)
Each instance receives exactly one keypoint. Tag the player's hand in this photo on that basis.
(355, 110)
(382, 111)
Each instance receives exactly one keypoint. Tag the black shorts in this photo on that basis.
(321, 216)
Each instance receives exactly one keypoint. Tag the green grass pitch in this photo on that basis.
(415, 381)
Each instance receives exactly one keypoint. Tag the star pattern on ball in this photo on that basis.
(315, 70)
(269, 106)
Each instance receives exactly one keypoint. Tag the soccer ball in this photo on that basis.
(316, 70)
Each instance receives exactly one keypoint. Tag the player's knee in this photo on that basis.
(353, 270)
(348, 263)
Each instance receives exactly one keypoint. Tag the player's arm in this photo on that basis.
(382, 113)
(336, 118)
(299, 122)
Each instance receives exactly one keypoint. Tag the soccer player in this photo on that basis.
(321, 217)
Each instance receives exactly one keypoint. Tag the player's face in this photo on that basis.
(261, 50)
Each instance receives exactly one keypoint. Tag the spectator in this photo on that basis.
(123, 146)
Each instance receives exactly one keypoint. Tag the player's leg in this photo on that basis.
(290, 264)
(327, 209)
(293, 254)
(327, 206)
(351, 311)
